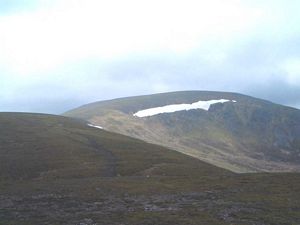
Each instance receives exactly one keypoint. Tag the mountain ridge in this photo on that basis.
(252, 135)
(175, 92)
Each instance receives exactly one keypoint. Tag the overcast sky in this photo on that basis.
(59, 54)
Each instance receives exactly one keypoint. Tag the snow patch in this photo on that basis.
(179, 107)
(99, 127)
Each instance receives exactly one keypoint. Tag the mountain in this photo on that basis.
(233, 131)
(58, 170)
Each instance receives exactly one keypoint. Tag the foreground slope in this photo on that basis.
(240, 133)
(37, 146)
(56, 170)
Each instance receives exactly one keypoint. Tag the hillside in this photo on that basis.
(59, 147)
(57, 170)
(242, 134)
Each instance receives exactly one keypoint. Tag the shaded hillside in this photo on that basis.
(37, 146)
(56, 170)
(244, 136)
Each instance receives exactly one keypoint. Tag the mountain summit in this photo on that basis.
(230, 130)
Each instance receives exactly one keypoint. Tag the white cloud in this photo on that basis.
(291, 67)
(88, 50)
(68, 31)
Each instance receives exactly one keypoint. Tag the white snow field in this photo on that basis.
(179, 107)
(91, 125)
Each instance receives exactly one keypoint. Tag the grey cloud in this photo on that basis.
(42, 99)
(250, 66)
(40, 105)
(250, 69)
(278, 91)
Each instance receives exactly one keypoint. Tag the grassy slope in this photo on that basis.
(247, 136)
(56, 170)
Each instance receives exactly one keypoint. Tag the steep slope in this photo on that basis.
(57, 170)
(242, 133)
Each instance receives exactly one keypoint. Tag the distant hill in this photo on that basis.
(58, 170)
(242, 133)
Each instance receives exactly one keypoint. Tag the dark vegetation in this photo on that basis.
(57, 170)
